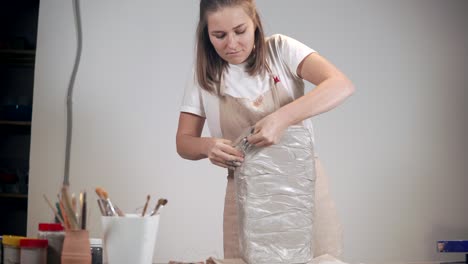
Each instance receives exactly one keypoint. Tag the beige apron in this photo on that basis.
(237, 115)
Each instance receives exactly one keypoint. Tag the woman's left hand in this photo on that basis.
(267, 131)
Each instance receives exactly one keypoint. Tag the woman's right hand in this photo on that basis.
(221, 153)
(190, 144)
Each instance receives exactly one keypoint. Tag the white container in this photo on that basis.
(11, 249)
(55, 234)
(33, 251)
(129, 239)
(11, 254)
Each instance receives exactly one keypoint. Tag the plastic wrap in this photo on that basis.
(275, 198)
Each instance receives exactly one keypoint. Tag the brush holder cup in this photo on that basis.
(76, 247)
(129, 239)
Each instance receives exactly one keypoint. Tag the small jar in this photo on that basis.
(96, 250)
(11, 249)
(33, 251)
(55, 234)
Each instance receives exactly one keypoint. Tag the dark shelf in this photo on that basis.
(18, 52)
(18, 57)
(15, 123)
(18, 39)
(13, 195)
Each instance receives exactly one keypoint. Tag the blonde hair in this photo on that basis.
(209, 65)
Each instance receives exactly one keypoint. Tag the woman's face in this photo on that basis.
(232, 33)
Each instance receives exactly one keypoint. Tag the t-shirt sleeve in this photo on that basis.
(293, 51)
(192, 101)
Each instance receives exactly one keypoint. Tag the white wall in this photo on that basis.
(396, 152)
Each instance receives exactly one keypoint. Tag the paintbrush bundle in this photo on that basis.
(108, 208)
(70, 211)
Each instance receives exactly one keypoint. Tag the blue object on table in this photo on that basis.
(453, 246)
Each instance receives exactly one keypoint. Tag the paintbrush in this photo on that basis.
(105, 196)
(54, 210)
(67, 206)
(102, 207)
(148, 197)
(76, 210)
(64, 215)
(118, 211)
(84, 211)
(161, 203)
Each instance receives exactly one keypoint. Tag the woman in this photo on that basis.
(238, 73)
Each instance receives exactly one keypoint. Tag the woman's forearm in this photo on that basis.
(192, 148)
(326, 96)
(190, 144)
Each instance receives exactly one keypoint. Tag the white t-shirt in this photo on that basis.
(284, 54)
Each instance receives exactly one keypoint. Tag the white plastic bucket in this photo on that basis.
(129, 239)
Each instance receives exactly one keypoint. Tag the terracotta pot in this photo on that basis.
(76, 247)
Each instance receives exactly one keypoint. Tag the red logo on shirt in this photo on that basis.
(276, 79)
